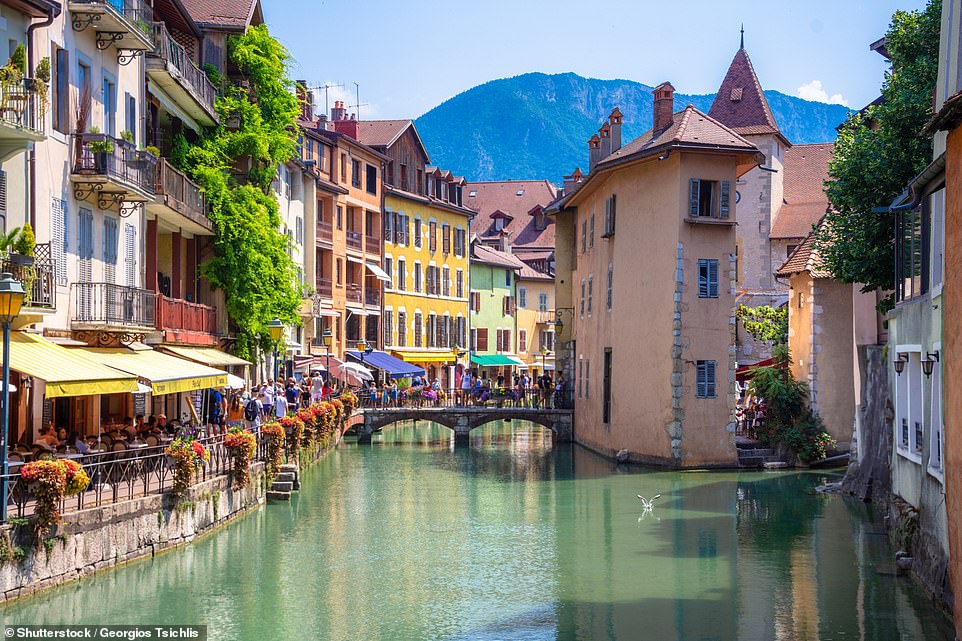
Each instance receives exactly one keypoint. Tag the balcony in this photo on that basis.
(325, 233)
(546, 317)
(180, 202)
(354, 293)
(169, 65)
(38, 279)
(123, 24)
(184, 321)
(100, 305)
(22, 111)
(372, 245)
(353, 239)
(372, 296)
(325, 287)
(113, 170)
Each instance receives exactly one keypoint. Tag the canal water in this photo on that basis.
(513, 539)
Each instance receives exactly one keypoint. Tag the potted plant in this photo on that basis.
(241, 444)
(50, 481)
(23, 247)
(101, 149)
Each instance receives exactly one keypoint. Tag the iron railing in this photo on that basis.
(325, 287)
(353, 293)
(103, 155)
(178, 314)
(372, 244)
(22, 105)
(188, 74)
(181, 192)
(513, 397)
(110, 304)
(325, 232)
(353, 239)
(137, 12)
(38, 279)
(372, 296)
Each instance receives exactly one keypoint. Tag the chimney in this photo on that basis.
(348, 127)
(306, 99)
(594, 152)
(571, 182)
(605, 134)
(338, 112)
(614, 121)
(664, 95)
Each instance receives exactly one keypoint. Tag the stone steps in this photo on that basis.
(278, 496)
(756, 456)
(285, 483)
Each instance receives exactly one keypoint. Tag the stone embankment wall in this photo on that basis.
(104, 537)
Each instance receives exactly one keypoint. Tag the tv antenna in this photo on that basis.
(358, 104)
(327, 86)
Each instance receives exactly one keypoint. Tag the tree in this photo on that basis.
(765, 323)
(251, 261)
(877, 153)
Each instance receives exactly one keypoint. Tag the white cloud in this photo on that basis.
(815, 91)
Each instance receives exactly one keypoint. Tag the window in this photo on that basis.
(591, 232)
(459, 284)
(609, 217)
(522, 298)
(432, 237)
(445, 281)
(581, 371)
(84, 88)
(936, 428)
(388, 323)
(584, 236)
(938, 238)
(591, 283)
(606, 388)
(131, 247)
(389, 227)
(417, 232)
(389, 270)
(355, 173)
(401, 274)
(707, 278)
(481, 339)
(542, 302)
(417, 277)
(339, 218)
(110, 106)
(547, 340)
(110, 240)
(418, 329)
(475, 302)
(522, 341)
(909, 405)
(402, 329)
(790, 250)
(61, 98)
(339, 271)
(446, 239)
(504, 340)
(343, 169)
(371, 179)
(582, 306)
(130, 109)
(611, 277)
(460, 236)
(59, 242)
(299, 230)
(462, 329)
(705, 379)
(507, 278)
(587, 378)
(474, 339)
(708, 198)
(912, 253)
(507, 306)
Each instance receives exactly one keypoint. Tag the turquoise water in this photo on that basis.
(513, 539)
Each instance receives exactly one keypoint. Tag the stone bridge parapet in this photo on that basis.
(461, 420)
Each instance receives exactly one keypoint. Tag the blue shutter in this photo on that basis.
(710, 379)
(725, 198)
(702, 278)
(694, 189)
(713, 278)
(701, 380)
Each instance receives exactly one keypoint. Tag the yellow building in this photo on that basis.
(534, 294)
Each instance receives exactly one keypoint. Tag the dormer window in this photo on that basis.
(520, 192)
(498, 224)
(736, 95)
(473, 193)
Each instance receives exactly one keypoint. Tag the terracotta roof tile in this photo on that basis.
(491, 256)
(805, 170)
(740, 102)
(229, 13)
(803, 259)
(690, 126)
(530, 273)
(381, 133)
(490, 197)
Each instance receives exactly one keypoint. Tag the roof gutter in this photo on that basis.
(930, 180)
(53, 10)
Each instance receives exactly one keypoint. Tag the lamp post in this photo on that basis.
(328, 339)
(544, 355)
(11, 299)
(276, 329)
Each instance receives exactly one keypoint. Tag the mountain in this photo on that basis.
(537, 125)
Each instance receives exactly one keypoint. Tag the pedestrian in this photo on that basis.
(317, 387)
(464, 395)
(252, 411)
(500, 379)
(235, 411)
(280, 406)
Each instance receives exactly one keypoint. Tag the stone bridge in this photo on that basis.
(462, 419)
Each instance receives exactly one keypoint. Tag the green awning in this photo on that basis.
(496, 360)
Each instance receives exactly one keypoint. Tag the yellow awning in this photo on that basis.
(210, 356)
(65, 371)
(166, 374)
(425, 357)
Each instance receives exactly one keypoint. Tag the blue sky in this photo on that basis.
(408, 57)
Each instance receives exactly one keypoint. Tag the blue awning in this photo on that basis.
(383, 361)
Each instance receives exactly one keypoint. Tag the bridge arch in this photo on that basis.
(461, 420)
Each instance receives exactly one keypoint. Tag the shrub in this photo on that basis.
(52, 480)
(242, 445)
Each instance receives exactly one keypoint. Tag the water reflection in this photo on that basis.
(513, 538)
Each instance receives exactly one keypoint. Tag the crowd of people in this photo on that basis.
(273, 399)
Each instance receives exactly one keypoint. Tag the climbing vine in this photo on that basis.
(235, 163)
(765, 323)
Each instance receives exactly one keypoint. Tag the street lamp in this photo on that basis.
(544, 354)
(328, 339)
(276, 329)
(11, 299)
(928, 363)
(900, 362)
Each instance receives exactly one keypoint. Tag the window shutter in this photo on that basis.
(3, 197)
(614, 210)
(57, 243)
(725, 196)
(482, 340)
(702, 381)
(693, 194)
(702, 279)
(710, 379)
(130, 248)
(713, 278)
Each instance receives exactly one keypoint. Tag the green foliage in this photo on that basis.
(788, 420)
(251, 263)
(152, 150)
(102, 146)
(19, 59)
(9, 239)
(26, 242)
(127, 135)
(213, 74)
(877, 154)
(523, 134)
(42, 72)
(765, 323)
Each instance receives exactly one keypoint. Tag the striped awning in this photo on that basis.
(65, 371)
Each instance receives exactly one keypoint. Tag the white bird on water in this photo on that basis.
(648, 504)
